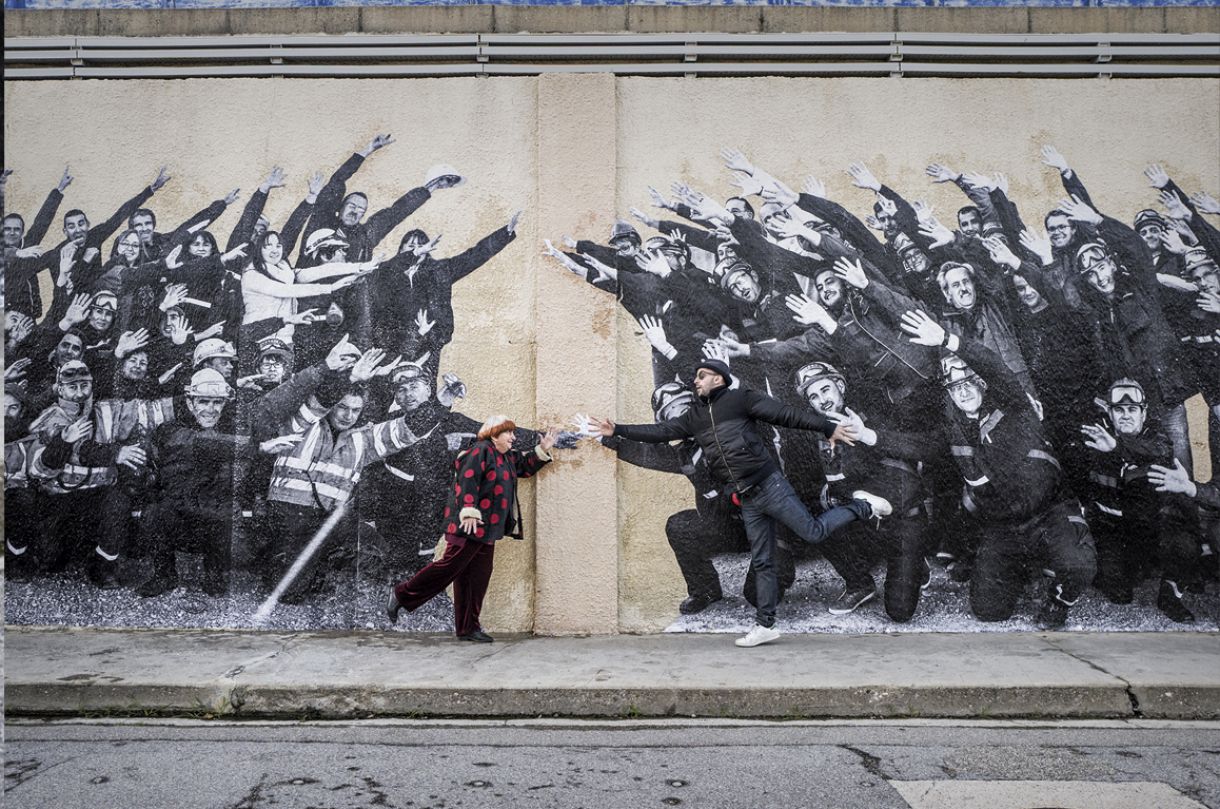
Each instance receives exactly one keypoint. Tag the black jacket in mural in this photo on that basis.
(401, 289)
(1011, 472)
(363, 236)
(725, 425)
(685, 458)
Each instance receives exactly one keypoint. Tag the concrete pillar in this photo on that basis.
(576, 344)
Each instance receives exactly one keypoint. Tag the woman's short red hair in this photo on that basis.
(496, 425)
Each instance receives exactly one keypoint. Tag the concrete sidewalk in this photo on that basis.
(346, 675)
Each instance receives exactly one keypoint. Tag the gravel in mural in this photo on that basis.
(1004, 400)
(193, 406)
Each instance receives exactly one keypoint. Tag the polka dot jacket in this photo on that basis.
(485, 487)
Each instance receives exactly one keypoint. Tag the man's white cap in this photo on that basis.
(208, 382)
(444, 170)
(213, 347)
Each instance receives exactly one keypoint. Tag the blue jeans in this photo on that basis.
(774, 500)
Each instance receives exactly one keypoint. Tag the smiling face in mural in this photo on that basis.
(958, 287)
(201, 246)
(206, 409)
(272, 250)
(1100, 275)
(135, 366)
(14, 230)
(143, 224)
(830, 289)
(968, 221)
(1060, 229)
(128, 246)
(825, 395)
(967, 395)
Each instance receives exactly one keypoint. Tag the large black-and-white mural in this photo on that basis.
(1015, 382)
(191, 406)
(235, 407)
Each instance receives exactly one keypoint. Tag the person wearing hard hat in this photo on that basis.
(190, 506)
(1137, 339)
(311, 425)
(1013, 483)
(73, 474)
(1131, 521)
(216, 354)
(882, 463)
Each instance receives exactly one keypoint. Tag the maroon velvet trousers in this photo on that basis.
(467, 565)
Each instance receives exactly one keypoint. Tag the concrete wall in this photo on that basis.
(575, 152)
(618, 18)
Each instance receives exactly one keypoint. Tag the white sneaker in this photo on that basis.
(881, 507)
(758, 635)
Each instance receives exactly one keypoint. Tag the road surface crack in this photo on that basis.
(1136, 711)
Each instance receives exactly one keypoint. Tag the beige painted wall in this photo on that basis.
(573, 151)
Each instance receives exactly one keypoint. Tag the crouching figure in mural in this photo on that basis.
(1013, 483)
(481, 509)
(724, 422)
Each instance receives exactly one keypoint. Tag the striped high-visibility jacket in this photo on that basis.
(89, 464)
(323, 468)
(17, 462)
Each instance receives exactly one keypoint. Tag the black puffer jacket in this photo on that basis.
(725, 426)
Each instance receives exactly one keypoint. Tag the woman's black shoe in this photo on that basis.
(477, 636)
(392, 608)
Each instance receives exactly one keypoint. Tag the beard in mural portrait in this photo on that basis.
(978, 363)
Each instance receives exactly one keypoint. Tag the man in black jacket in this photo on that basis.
(713, 526)
(724, 422)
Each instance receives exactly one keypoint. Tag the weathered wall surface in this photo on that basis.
(575, 152)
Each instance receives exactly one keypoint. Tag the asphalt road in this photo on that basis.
(437, 764)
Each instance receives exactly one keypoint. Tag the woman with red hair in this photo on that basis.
(482, 508)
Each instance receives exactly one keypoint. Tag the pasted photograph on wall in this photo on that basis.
(893, 383)
(259, 398)
(1004, 410)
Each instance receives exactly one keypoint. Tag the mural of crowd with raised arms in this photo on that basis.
(190, 404)
(1014, 391)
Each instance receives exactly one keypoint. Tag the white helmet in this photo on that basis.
(444, 170)
(213, 347)
(208, 382)
(323, 237)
